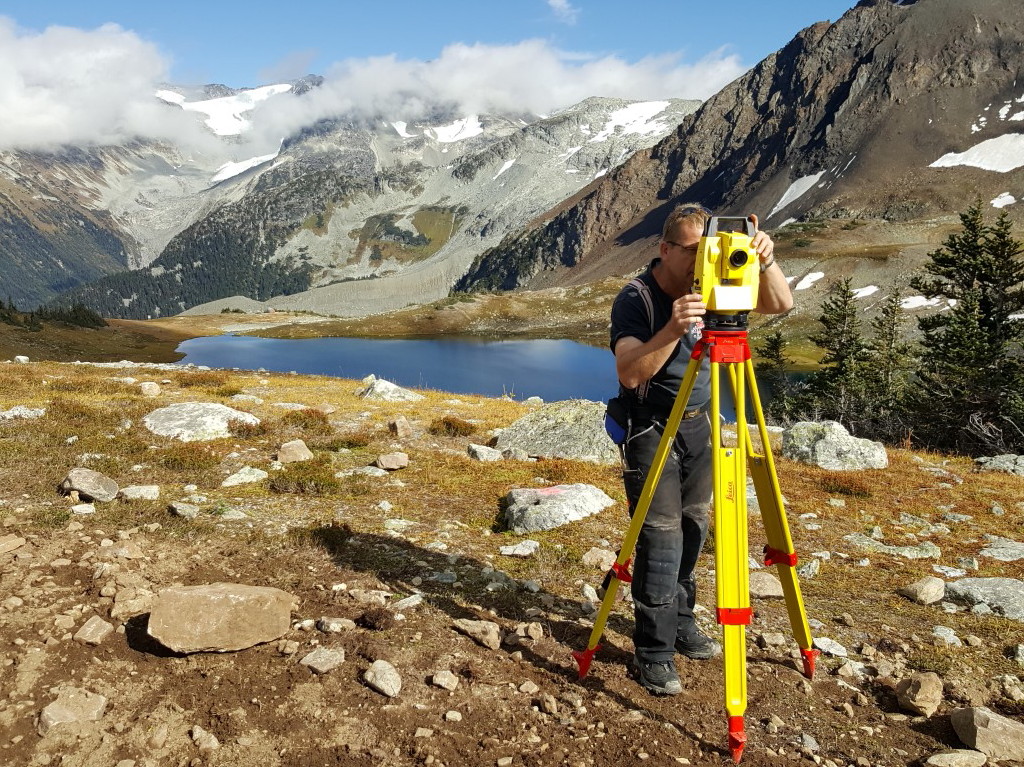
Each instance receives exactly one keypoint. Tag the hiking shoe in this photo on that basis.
(697, 645)
(657, 678)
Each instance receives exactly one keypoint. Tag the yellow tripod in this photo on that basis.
(726, 348)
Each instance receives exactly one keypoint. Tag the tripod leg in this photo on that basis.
(620, 570)
(779, 551)
(731, 566)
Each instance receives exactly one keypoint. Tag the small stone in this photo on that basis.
(72, 705)
(452, 716)
(205, 741)
(323, 659)
(445, 679)
(384, 678)
(926, 591)
(529, 687)
(94, 631)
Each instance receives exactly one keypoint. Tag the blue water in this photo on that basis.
(549, 369)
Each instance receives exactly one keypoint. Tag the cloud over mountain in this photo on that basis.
(65, 86)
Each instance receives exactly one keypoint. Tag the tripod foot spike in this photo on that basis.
(737, 738)
(809, 658)
(583, 659)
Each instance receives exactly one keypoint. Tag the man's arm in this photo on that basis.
(773, 293)
(637, 361)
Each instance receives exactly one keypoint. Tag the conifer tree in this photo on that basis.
(969, 389)
(837, 389)
(773, 370)
(889, 361)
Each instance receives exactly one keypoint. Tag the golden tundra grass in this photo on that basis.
(94, 418)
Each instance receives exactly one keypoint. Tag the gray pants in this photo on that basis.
(673, 534)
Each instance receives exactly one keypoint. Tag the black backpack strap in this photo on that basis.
(644, 291)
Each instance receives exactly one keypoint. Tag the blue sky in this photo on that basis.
(74, 72)
(252, 43)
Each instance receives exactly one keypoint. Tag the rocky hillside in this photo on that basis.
(374, 607)
(342, 201)
(901, 114)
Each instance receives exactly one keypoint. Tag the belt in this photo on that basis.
(642, 412)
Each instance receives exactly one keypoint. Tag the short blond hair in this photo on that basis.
(685, 213)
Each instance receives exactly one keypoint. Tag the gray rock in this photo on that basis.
(445, 679)
(90, 485)
(923, 551)
(94, 631)
(602, 559)
(1011, 464)
(401, 427)
(533, 509)
(294, 451)
(323, 659)
(378, 388)
(184, 510)
(83, 508)
(20, 411)
(523, 549)
(926, 591)
(335, 625)
(567, 429)
(765, 585)
(149, 389)
(10, 542)
(1003, 549)
(959, 757)
(72, 705)
(196, 421)
(384, 678)
(392, 461)
(485, 633)
(247, 475)
(946, 636)
(830, 647)
(140, 493)
(829, 445)
(995, 736)
(920, 693)
(220, 617)
(1004, 595)
(483, 453)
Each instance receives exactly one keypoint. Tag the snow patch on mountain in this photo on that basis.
(467, 127)
(796, 190)
(232, 169)
(864, 292)
(224, 114)
(1003, 200)
(635, 118)
(1001, 154)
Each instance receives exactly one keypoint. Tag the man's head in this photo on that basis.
(683, 229)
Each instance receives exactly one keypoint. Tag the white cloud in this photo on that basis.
(69, 86)
(564, 10)
(66, 86)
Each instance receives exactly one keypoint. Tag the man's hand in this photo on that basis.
(761, 243)
(686, 311)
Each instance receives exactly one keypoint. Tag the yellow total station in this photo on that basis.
(727, 274)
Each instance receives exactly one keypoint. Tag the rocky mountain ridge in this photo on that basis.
(856, 120)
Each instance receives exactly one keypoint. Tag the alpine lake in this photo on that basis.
(547, 368)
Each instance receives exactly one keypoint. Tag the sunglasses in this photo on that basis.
(689, 210)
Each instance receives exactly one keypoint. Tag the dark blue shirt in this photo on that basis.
(630, 318)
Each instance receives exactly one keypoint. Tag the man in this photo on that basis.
(652, 337)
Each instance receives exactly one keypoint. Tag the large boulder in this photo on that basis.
(531, 509)
(90, 485)
(378, 388)
(1009, 463)
(219, 617)
(995, 736)
(567, 429)
(829, 445)
(196, 421)
(1004, 595)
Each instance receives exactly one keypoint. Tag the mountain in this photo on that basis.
(899, 113)
(348, 216)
